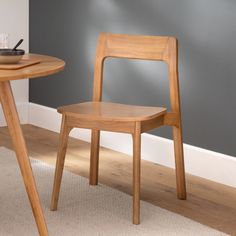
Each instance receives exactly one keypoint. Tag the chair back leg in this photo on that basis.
(136, 173)
(179, 163)
(94, 157)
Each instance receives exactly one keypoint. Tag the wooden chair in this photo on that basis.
(97, 115)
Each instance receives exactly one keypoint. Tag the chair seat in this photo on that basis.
(112, 111)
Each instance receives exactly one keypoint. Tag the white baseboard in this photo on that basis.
(200, 162)
(22, 109)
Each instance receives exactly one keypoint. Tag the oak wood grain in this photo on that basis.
(208, 203)
(98, 115)
(48, 65)
(63, 140)
(136, 172)
(108, 111)
(24, 62)
(13, 123)
(94, 157)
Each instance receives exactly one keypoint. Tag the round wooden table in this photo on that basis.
(46, 66)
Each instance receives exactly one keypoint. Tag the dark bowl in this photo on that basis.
(8, 56)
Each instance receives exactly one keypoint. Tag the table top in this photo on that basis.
(48, 65)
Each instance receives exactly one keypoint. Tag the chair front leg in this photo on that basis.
(136, 172)
(179, 163)
(63, 140)
(94, 157)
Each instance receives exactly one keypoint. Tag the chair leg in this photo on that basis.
(94, 157)
(136, 173)
(63, 140)
(179, 163)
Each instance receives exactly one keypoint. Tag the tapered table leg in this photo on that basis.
(12, 119)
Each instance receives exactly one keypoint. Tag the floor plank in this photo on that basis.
(209, 203)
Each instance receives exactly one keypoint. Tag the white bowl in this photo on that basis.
(8, 56)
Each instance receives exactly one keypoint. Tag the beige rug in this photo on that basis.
(83, 210)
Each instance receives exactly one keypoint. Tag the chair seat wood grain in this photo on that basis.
(106, 111)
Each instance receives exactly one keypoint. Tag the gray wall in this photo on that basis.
(207, 36)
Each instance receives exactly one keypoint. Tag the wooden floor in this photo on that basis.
(209, 203)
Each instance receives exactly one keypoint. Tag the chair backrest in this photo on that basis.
(157, 48)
